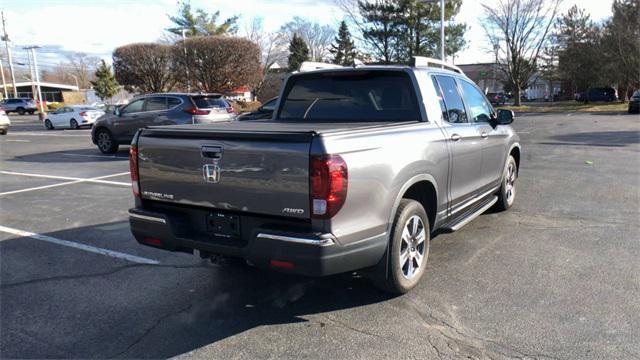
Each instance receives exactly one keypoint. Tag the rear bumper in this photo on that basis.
(310, 254)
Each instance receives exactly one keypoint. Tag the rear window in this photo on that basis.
(207, 102)
(350, 97)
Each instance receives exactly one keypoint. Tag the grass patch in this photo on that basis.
(569, 106)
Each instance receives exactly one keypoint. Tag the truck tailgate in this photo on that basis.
(253, 172)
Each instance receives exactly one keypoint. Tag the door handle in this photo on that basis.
(484, 135)
(456, 137)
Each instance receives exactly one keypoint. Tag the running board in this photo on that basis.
(473, 212)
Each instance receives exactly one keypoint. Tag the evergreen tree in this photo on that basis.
(343, 49)
(105, 84)
(298, 53)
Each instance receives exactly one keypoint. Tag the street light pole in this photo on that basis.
(4, 84)
(5, 38)
(442, 30)
(184, 46)
(35, 67)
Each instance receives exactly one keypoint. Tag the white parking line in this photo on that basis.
(98, 156)
(47, 134)
(96, 250)
(18, 140)
(74, 180)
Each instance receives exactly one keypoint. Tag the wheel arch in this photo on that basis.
(422, 188)
(515, 151)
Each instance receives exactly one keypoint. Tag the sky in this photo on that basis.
(97, 27)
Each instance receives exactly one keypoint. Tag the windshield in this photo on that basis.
(350, 97)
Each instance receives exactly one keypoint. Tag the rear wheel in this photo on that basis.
(74, 124)
(21, 110)
(48, 124)
(507, 192)
(105, 141)
(408, 249)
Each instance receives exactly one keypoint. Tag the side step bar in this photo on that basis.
(473, 212)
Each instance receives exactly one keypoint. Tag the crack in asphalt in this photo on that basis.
(105, 273)
(150, 329)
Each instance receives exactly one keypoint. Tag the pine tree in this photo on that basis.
(298, 53)
(105, 84)
(343, 49)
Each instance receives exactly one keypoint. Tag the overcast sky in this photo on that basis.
(97, 27)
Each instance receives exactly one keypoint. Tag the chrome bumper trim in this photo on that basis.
(148, 218)
(297, 240)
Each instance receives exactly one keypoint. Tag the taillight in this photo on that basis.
(133, 170)
(195, 111)
(83, 113)
(328, 178)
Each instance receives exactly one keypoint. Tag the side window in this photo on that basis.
(270, 105)
(443, 108)
(480, 110)
(133, 107)
(452, 100)
(155, 103)
(172, 102)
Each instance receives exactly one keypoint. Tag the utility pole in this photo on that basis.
(35, 66)
(442, 30)
(4, 84)
(5, 38)
(184, 46)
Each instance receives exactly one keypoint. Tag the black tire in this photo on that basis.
(4, 132)
(397, 278)
(74, 124)
(21, 111)
(31, 112)
(48, 124)
(105, 141)
(507, 192)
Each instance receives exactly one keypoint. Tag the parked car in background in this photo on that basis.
(597, 94)
(634, 103)
(497, 98)
(19, 105)
(113, 130)
(73, 117)
(4, 122)
(263, 112)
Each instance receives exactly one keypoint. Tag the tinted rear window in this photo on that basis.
(350, 96)
(205, 102)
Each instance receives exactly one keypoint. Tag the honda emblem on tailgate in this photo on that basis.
(211, 173)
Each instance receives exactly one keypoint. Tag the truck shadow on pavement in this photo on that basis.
(72, 156)
(60, 302)
(599, 138)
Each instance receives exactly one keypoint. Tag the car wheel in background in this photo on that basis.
(507, 192)
(74, 124)
(31, 112)
(4, 132)
(105, 141)
(408, 249)
(48, 125)
(21, 111)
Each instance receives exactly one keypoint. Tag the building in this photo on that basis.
(50, 92)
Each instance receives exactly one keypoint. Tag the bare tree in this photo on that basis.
(271, 47)
(145, 67)
(317, 37)
(219, 63)
(82, 66)
(519, 29)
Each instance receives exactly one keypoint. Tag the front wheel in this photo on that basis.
(507, 192)
(105, 141)
(48, 124)
(408, 249)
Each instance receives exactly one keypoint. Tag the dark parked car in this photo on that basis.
(19, 105)
(264, 112)
(634, 103)
(497, 98)
(597, 94)
(118, 128)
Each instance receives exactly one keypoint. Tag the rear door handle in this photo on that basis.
(484, 135)
(456, 137)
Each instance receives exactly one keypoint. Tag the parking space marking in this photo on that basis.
(18, 140)
(75, 245)
(74, 180)
(47, 134)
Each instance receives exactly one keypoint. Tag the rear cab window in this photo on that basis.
(350, 96)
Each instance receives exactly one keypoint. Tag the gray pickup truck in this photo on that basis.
(355, 171)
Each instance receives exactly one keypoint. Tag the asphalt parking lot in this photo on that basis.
(556, 277)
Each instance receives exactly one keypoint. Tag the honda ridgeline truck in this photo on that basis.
(354, 171)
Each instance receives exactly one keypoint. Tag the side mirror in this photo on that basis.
(116, 111)
(505, 117)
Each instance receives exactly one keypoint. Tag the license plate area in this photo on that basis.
(224, 227)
